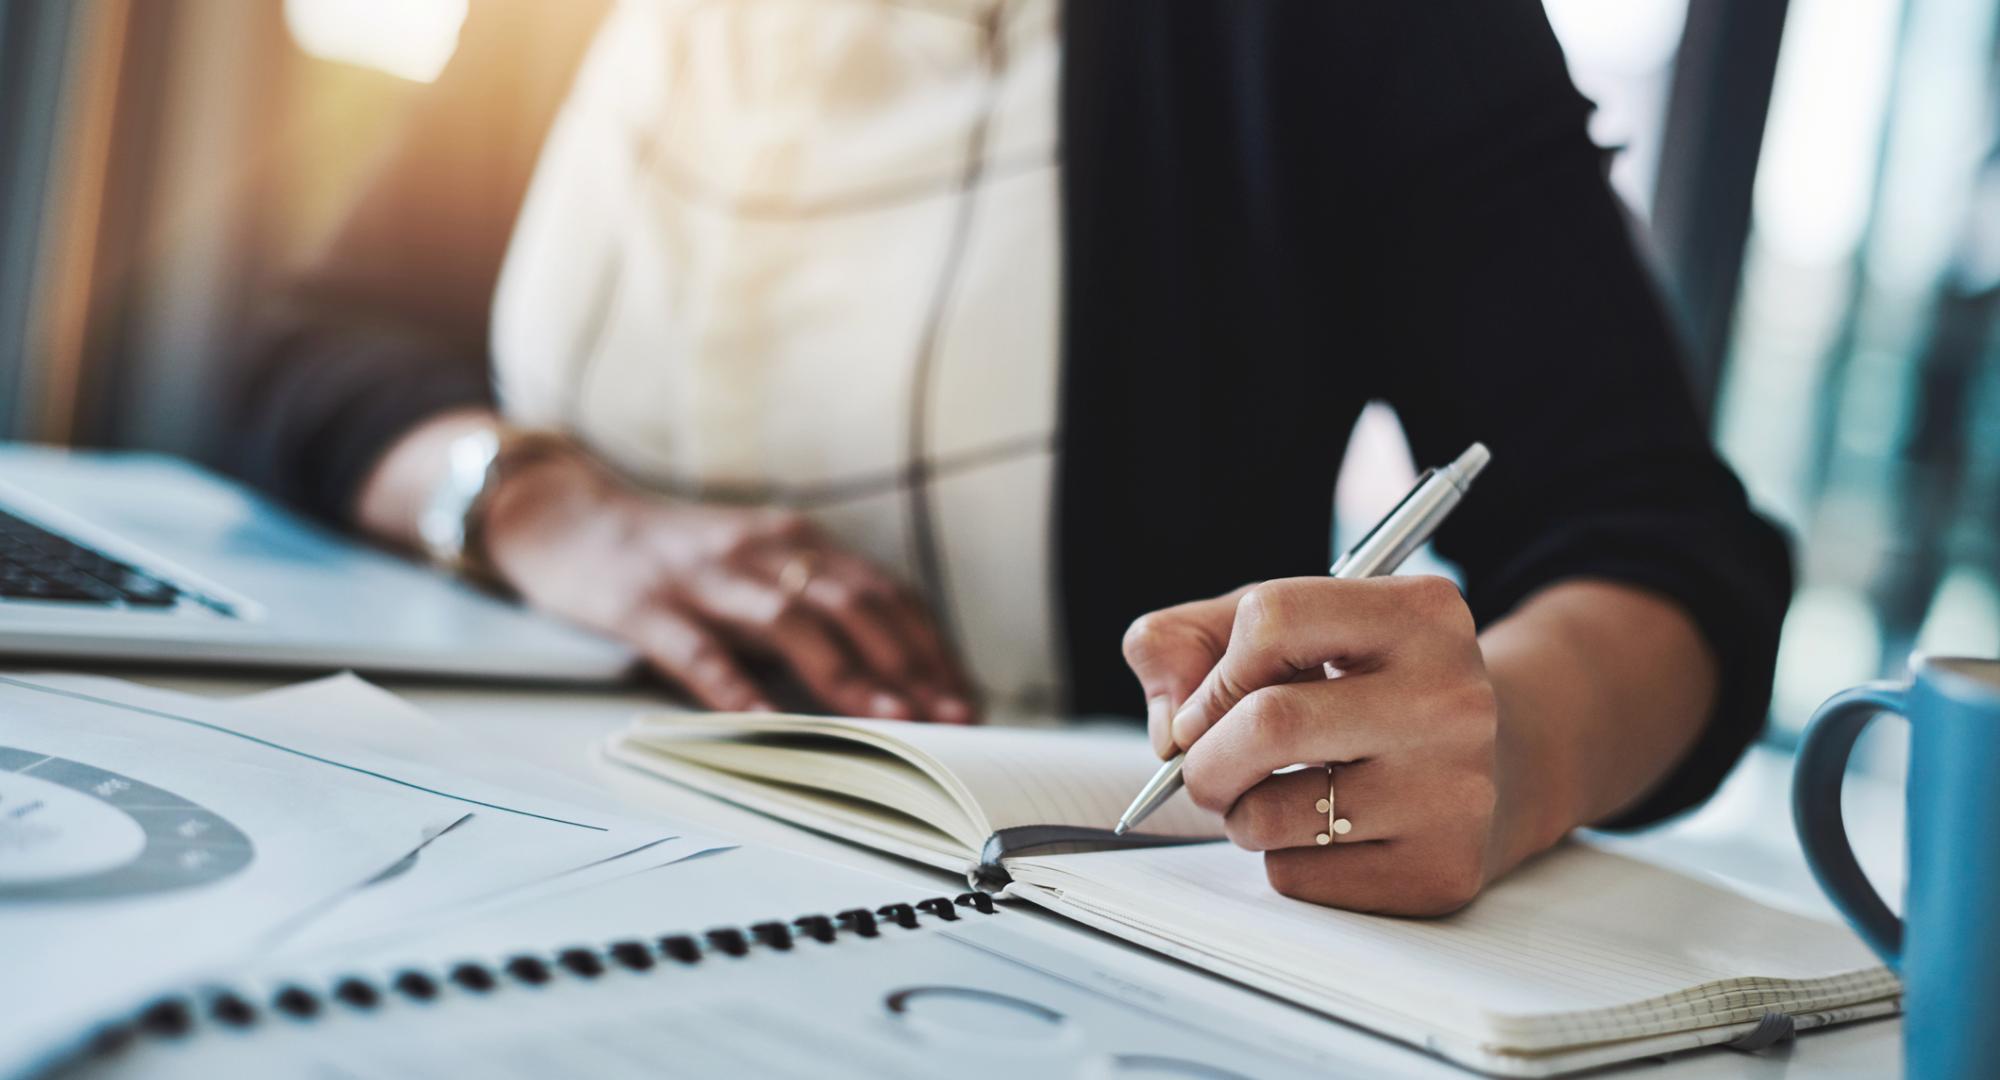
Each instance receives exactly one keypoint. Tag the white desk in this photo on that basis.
(1743, 836)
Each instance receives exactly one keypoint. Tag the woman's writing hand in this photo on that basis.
(700, 590)
(1410, 726)
(1171, 651)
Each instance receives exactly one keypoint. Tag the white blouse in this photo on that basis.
(805, 252)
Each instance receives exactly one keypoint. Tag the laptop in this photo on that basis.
(132, 557)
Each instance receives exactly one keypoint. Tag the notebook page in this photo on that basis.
(1026, 776)
(1580, 945)
(870, 775)
(1013, 776)
(850, 819)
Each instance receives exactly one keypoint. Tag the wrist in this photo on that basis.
(532, 495)
(1602, 689)
(1539, 787)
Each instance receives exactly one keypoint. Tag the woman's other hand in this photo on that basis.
(701, 589)
(704, 593)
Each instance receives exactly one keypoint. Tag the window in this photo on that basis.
(411, 39)
(1861, 401)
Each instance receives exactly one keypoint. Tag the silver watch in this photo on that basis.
(447, 519)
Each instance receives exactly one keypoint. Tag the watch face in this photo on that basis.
(442, 524)
(70, 831)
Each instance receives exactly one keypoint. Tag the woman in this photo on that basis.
(882, 334)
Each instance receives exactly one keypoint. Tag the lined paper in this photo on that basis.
(1025, 776)
(1578, 946)
(1579, 949)
(1004, 777)
(852, 770)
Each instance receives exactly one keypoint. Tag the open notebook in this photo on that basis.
(1581, 958)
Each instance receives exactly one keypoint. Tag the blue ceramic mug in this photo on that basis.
(1947, 946)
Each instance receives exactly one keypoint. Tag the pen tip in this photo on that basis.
(1120, 830)
(1471, 462)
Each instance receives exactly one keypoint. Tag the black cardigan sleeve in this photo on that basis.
(388, 325)
(1505, 297)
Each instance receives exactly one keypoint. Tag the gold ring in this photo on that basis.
(1335, 826)
(797, 574)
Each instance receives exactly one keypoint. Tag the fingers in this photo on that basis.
(701, 589)
(1427, 876)
(938, 664)
(1283, 811)
(1171, 651)
(892, 633)
(1292, 627)
(1277, 726)
(759, 614)
(682, 649)
(846, 601)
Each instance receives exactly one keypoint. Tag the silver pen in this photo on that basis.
(1403, 531)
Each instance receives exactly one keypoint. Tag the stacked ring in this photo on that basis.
(796, 575)
(1335, 826)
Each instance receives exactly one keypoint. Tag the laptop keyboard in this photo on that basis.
(36, 564)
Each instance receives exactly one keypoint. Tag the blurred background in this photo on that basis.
(1817, 183)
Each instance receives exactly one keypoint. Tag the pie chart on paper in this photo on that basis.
(72, 831)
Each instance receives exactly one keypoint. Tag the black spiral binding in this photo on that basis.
(178, 1015)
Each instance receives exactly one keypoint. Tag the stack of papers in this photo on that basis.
(146, 834)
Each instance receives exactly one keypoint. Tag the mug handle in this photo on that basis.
(1822, 763)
